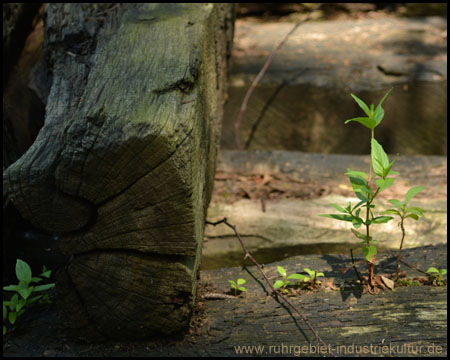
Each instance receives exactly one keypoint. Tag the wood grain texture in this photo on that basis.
(125, 161)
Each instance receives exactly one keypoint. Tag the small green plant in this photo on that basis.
(282, 284)
(16, 306)
(237, 285)
(285, 282)
(362, 183)
(362, 186)
(400, 209)
(313, 276)
(436, 275)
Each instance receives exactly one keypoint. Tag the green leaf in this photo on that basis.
(11, 288)
(281, 271)
(21, 304)
(370, 253)
(232, 282)
(397, 203)
(357, 222)
(432, 270)
(379, 108)
(278, 284)
(416, 210)
(49, 286)
(349, 206)
(379, 115)
(25, 293)
(338, 217)
(36, 279)
(5, 312)
(362, 105)
(241, 288)
(359, 183)
(388, 170)
(23, 271)
(359, 204)
(392, 212)
(367, 122)
(320, 274)
(310, 272)
(296, 276)
(338, 208)
(34, 299)
(384, 183)
(413, 192)
(241, 281)
(412, 216)
(443, 271)
(380, 161)
(381, 219)
(13, 301)
(357, 174)
(46, 274)
(358, 234)
(12, 316)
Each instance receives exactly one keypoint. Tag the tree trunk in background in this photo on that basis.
(124, 166)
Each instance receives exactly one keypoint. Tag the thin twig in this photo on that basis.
(261, 73)
(249, 256)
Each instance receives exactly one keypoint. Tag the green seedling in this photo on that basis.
(436, 276)
(363, 213)
(402, 210)
(285, 282)
(237, 285)
(313, 276)
(16, 306)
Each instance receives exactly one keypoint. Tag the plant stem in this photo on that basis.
(400, 250)
(370, 157)
(370, 264)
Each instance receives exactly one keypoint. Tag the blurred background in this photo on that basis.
(361, 48)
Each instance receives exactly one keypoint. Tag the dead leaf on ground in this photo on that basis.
(388, 282)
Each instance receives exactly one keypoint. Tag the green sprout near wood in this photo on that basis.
(237, 285)
(303, 278)
(285, 282)
(436, 275)
(400, 209)
(362, 186)
(16, 304)
(314, 275)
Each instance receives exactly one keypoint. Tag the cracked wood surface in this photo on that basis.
(123, 168)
